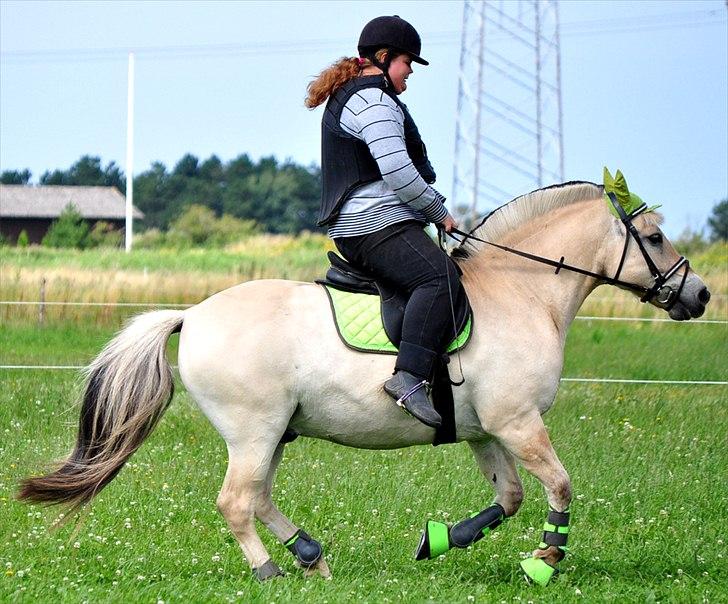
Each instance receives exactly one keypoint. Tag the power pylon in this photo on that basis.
(509, 119)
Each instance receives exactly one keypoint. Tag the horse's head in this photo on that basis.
(648, 261)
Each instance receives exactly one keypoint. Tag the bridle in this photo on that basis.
(665, 294)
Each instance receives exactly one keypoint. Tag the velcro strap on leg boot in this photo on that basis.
(556, 531)
(473, 529)
(307, 550)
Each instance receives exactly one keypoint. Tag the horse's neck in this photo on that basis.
(574, 232)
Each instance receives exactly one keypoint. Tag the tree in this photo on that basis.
(187, 166)
(718, 222)
(280, 197)
(151, 196)
(87, 171)
(15, 177)
(69, 230)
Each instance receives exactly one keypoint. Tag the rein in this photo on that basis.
(665, 294)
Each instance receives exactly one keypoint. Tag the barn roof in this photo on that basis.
(48, 201)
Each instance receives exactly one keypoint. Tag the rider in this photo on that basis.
(377, 197)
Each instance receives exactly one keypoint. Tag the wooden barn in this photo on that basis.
(34, 208)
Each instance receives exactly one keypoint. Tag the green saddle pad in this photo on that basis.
(358, 320)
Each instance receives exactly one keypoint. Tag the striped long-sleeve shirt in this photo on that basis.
(373, 117)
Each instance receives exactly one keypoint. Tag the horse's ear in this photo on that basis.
(621, 190)
(608, 180)
(618, 185)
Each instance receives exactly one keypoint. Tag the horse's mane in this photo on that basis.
(521, 210)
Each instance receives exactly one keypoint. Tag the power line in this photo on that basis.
(575, 28)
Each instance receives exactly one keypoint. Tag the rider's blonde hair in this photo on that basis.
(335, 76)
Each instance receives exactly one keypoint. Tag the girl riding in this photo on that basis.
(377, 197)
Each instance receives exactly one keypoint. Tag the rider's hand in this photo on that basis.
(449, 223)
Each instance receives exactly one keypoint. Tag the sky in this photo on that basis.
(644, 86)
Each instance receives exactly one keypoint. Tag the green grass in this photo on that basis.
(647, 465)
(668, 351)
(285, 255)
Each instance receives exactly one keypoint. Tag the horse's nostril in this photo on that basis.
(704, 295)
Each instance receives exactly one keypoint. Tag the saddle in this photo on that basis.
(375, 324)
(369, 313)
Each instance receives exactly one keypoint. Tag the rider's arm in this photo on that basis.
(372, 116)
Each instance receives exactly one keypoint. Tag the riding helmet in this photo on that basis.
(391, 32)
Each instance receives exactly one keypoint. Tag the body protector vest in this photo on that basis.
(346, 162)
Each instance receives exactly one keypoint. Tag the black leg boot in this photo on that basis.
(409, 385)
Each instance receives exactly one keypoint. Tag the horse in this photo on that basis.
(263, 361)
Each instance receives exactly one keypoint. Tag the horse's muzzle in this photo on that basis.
(690, 305)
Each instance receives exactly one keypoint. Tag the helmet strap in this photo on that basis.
(383, 65)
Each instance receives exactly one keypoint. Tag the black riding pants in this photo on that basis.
(406, 257)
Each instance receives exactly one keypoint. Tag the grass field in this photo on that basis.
(648, 462)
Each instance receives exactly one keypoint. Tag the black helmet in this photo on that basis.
(391, 32)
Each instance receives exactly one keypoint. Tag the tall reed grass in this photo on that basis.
(190, 276)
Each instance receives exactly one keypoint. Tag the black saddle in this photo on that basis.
(344, 276)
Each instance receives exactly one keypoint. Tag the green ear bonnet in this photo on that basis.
(618, 185)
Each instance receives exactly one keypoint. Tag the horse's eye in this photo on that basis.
(655, 238)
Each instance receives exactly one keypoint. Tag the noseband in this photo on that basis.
(664, 294)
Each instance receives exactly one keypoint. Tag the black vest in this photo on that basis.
(346, 162)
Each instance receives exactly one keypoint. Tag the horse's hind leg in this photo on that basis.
(241, 494)
(499, 469)
(529, 442)
(307, 551)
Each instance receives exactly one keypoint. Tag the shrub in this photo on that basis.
(690, 242)
(103, 234)
(149, 239)
(69, 230)
(199, 226)
(23, 239)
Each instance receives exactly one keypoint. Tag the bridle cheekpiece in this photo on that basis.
(665, 294)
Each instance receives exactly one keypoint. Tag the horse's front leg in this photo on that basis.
(527, 440)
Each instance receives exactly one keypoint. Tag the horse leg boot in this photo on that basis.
(308, 552)
(529, 442)
(499, 468)
(240, 496)
(410, 383)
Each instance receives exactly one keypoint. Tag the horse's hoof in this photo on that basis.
(434, 541)
(319, 568)
(308, 551)
(538, 571)
(267, 571)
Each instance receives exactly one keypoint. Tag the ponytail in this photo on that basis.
(331, 79)
(334, 77)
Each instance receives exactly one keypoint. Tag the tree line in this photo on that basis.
(277, 197)
(280, 197)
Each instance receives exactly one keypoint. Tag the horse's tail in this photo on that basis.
(128, 388)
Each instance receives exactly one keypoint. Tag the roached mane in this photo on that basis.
(520, 210)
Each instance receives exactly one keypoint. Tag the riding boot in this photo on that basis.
(409, 385)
